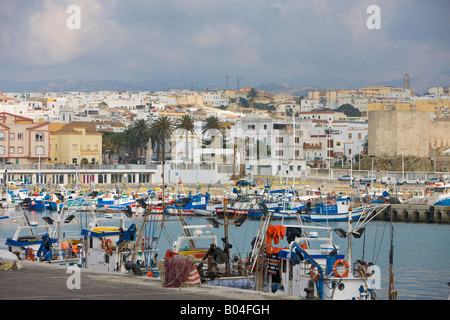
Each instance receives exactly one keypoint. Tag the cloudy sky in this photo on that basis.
(324, 43)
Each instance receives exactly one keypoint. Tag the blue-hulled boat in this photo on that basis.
(189, 205)
(334, 210)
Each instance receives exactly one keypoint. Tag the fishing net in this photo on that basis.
(9, 261)
(177, 271)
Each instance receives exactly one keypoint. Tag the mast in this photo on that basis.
(392, 294)
(349, 235)
(225, 222)
(349, 215)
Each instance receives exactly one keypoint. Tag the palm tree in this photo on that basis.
(111, 143)
(186, 123)
(213, 123)
(140, 131)
(160, 130)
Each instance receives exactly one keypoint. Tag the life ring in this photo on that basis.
(338, 262)
(314, 277)
(107, 245)
(332, 202)
(30, 254)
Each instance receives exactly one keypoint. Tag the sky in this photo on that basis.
(324, 43)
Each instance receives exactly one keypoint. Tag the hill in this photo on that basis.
(285, 88)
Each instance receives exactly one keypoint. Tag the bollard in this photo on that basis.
(431, 215)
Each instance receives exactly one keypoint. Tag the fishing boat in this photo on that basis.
(108, 246)
(239, 207)
(334, 210)
(212, 264)
(43, 242)
(312, 266)
(442, 191)
(185, 244)
(284, 206)
(189, 205)
(13, 197)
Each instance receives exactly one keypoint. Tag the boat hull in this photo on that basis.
(320, 217)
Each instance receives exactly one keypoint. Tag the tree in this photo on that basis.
(137, 136)
(211, 124)
(111, 143)
(252, 94)
(349, 110)
(160, 130)
(186, 123)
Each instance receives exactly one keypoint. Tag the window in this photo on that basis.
(11, 136)
(20, 150)
(279, 152)
(74, 160)
(279, 139)
(349, 136)
(2, 136)
(20, 136)
(74, 147)
(39, 150)
(359, 136)
(39, 136)
(12, 150)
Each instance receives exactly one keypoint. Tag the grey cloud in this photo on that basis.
(321, 42)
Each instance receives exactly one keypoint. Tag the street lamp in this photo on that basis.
(142, 168)
(39, 151)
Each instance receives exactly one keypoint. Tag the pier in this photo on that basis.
(416, 213)
(38, 281)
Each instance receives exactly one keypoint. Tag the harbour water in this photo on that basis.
(421, 255)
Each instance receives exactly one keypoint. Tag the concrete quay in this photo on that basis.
(416, 213)
(45, 281)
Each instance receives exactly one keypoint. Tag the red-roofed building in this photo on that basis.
(22, 141)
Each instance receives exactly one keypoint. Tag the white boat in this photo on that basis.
(44, 242)
(109, 247)
(313, 267)
(334, 210)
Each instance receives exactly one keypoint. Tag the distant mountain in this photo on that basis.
(421, 83)
(80, 85)
(286, 88)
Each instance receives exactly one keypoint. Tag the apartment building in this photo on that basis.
(75, 143)
(23, 141)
